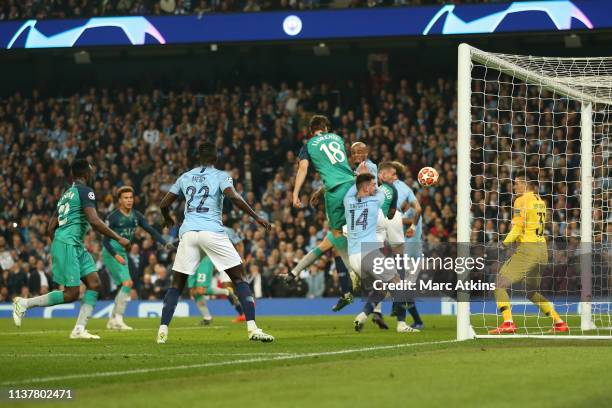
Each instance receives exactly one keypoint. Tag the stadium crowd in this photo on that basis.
(146, 138)
(41, 9)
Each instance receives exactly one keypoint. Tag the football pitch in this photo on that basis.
(316, 361)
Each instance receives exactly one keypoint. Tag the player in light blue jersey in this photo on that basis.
(412, 220)
(362, 205)
(359, 156)
(202, 231)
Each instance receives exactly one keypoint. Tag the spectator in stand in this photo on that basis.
(258, 132)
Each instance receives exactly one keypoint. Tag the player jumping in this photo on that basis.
(204, 188)
(71, 263)
(124, 221)
(327, 153)
(531, 254)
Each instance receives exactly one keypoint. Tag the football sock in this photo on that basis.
(246, 299)
(400, 311)
(546, 307)
(361, 317)
(412, 309)
(232, 299)
(202, 306)
(87, 305)
(374, 298)
(306, 261)
(49, 299)
(170, 301)
(346, 284)
(503, 304)
(378, 308)
(123, 296)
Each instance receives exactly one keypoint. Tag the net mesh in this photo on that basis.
(526, 117)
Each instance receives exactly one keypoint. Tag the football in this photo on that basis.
(428, 176)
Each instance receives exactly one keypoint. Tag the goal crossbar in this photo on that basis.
(564, 86)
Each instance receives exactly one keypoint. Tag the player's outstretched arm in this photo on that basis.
(239, 202)
(164, 206)
(299, 182)
(102, 228)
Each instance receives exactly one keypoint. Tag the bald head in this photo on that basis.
(359, 152)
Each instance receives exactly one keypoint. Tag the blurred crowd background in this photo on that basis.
(41, 9)
(147, 137)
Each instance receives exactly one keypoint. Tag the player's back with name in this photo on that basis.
(361, 217)
(202, 188)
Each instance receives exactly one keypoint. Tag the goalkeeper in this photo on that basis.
(531, 254)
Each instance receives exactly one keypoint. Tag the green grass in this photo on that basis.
(315, 362)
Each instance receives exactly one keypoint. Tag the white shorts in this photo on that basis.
(386, 275)
(394, 229)
(224, 277)
(193, 246)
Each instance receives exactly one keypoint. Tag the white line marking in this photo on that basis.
(221, 363)
(17, 332)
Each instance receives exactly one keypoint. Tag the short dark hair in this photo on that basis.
(79, 167)
(208, 153)
(318, 122)
(124, 189)
(531, 182)
(364, 178)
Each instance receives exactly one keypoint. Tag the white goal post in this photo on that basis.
(550, 117)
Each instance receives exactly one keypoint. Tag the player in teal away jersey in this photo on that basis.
(71, 263)
(201, 284)
(124, 221)
(198, 285)
(328, 156)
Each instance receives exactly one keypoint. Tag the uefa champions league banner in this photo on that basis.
(268, 307)
(556, 15)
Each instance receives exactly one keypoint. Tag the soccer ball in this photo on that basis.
(428, 176)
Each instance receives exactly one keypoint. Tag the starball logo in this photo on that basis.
(560, 13)
(134, 28)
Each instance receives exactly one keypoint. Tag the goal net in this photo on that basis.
(550, 119)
